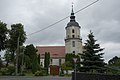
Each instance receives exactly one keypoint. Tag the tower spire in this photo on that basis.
(72, 17)
(72, 8)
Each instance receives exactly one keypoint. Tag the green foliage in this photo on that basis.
(115, 61)
(47, 61)
(11, 70)
(38, 58)
(61, 72)
(31, 60)
(7, 57)
(68, 75)
(113, 66)
(66, 66)
(112, 70)
(28, 73)
(17, 30)
(3, 35)
(4, 71)
(35, 65)
(0, 62)
(40, 73)
(92, 59)
(69, 59)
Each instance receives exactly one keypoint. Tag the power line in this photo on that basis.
(62, 19)
(87, 6)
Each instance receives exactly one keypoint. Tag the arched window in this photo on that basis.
(73, 31)
(73, 52)
(73, 36)
(73, 43)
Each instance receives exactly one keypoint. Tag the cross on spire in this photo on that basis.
(72, 17)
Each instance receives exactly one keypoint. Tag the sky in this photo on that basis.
(103, 18)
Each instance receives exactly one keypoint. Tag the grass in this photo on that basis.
(29, 74)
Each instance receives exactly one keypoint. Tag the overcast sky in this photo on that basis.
(103, 18)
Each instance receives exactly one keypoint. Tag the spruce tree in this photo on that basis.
(92, 59)
(47, 61)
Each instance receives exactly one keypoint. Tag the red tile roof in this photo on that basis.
(55, 51)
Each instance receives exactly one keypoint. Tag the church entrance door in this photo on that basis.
(54, 70)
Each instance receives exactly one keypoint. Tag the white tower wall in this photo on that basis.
(73, 41)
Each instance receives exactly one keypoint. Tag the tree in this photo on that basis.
(31, 60)
(115, 61)
(92, 59)
(69, 58)
(114, 65)
(47, 61)
(39, 59)
(3, 35)
(7, 57)
(21, 59)
(0, 62)
(16, 32)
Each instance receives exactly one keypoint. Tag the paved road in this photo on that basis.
(34, 78)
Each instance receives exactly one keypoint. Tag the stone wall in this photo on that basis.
(88, 76)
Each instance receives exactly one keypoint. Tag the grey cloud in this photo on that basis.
(102, 18)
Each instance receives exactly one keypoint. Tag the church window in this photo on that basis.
(73, 52)
(73, 36)
(78, 36)
(73, 31)
(73, 43)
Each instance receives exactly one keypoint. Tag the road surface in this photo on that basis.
(34, 78)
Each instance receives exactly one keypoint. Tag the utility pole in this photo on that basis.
(17, 53)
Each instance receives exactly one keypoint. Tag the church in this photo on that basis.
(73, 44)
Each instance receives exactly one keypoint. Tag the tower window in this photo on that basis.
(73, 31)
(73, 43)
(73, 36)
(73, 52)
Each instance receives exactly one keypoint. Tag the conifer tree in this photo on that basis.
(47, 61)
(39, 59)
(92, 59)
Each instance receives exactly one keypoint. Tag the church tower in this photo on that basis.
(73, 41)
